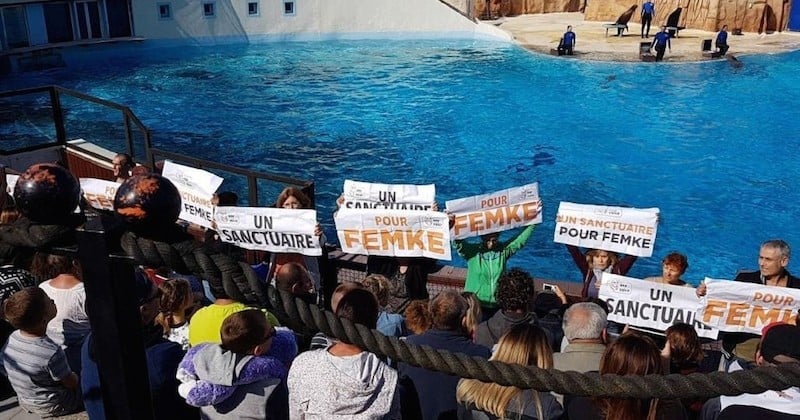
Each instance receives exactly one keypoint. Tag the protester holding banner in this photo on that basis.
(596, 262)
(486, 262)
(672, 268)
(294, 198)
(121, 166)
(773, 257)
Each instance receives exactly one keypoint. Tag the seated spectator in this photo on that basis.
(12, 280)
(344, 380)
(320, 340)
(549, 307)
(418, 316)
(780, 344)
(514, 295)
(474, 314)
(585, 330)
(176, 299)
(162, 357)
(388, 324)
(71, 325)
(429, 394)
(35, 365)
(296, 280)
(672, 268)
(523, 344)
(683, 354)
(121, 166)
(682, 349)
(630, 354)
(239, 378)
(206, 322)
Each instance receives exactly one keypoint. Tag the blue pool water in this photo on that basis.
(714, 147)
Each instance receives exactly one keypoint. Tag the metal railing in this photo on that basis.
(131, 122)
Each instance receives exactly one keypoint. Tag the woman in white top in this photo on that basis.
(71, 324)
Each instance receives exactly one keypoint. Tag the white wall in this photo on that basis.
(314, 19)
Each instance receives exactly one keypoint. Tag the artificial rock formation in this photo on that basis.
(749, 15)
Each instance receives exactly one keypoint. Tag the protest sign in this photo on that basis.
(402, 233)
(496, 212)
(651, 305)
(99, 193)
(736, 306)
(365, 195)
(197, 188)
(11, 182)
(268, 229)
(619, 229)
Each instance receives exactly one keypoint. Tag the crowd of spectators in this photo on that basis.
(212, 356)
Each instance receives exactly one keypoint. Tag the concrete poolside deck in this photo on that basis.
(541, 32)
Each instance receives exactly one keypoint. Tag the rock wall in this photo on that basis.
(750, 15)
(523, 7)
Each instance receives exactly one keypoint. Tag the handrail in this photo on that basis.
(128, 117)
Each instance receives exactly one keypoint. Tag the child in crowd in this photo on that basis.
(245, 376)
(36, 366)
(176, 299)
(474, 313)
(388, 324)
(418, 316)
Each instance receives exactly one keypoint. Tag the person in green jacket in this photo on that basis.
(486, 261)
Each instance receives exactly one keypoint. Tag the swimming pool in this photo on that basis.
(710, 145)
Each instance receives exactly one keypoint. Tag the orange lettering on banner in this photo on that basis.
(763, 316)
(385, 240)
(494, 201)
(773, 299)
(736, 314)
(714, 308)
(485, 220)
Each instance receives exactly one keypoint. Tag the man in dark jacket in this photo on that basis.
(428, 394)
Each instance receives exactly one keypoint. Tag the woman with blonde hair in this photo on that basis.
(474, 313)
(523, 344)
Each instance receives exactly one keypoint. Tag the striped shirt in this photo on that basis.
(35, 366)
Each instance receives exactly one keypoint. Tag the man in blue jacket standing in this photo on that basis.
(648, 11)
(661, 43)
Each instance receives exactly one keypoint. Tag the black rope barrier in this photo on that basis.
(240, 282)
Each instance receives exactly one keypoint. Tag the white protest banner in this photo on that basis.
(197, 187)
(401, 233)
(11, 182)
(651, 305)
(496, 212)
(99, 193)
(365, 195)
(620, 229)
(736, 306)
(268, 229)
